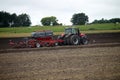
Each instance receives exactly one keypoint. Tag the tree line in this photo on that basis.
(50, 21)
(77, 19)
(11, 20)
(113, 20)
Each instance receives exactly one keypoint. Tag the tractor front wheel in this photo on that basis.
(84, 40)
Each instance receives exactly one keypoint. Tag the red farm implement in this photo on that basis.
(38, 39)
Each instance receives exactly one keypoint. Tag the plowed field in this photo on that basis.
(99, 60)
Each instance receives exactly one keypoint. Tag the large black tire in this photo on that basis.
(84, 40)
(74, 40)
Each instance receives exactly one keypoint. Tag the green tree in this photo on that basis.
(79, 19)
(23, 20)
(101, 21)
(4, 19)
(9, 20)
(13, 18)
(115, 20)
(47, 21)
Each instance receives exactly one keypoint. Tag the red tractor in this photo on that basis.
(72, 36)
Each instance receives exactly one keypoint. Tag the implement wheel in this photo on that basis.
(38, 45)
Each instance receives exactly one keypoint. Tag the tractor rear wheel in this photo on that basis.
(74, 40)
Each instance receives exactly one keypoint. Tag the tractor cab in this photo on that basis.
(72, 31)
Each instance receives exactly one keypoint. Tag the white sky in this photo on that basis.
(62, 9)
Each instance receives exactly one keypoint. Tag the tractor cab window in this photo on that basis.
(68, 31)
(74, 31)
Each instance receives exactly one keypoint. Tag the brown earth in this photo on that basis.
(99, 60)
(98, 63)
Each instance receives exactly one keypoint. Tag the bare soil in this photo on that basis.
(99, 60)
(98, 63)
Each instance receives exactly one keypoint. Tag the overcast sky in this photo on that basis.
(62, 9)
